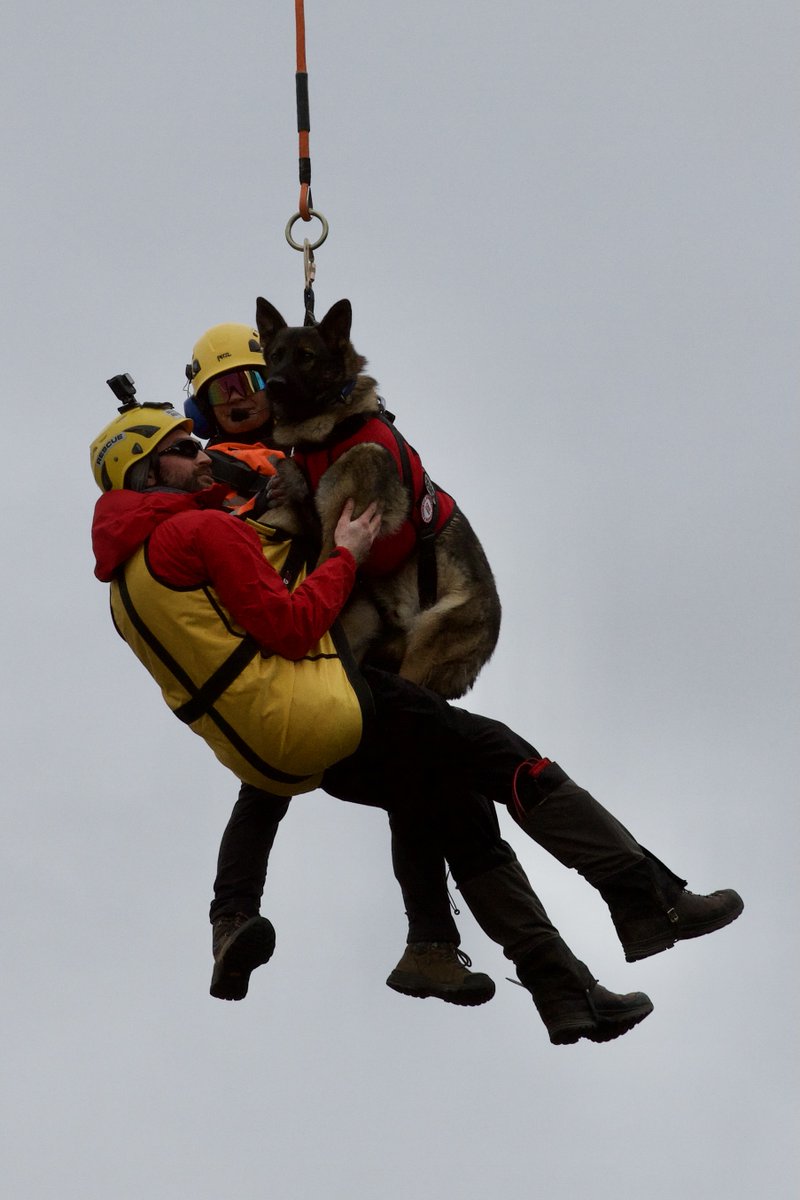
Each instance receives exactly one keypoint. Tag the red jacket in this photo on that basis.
(191, 541)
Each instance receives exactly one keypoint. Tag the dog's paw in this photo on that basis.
(288, 503)
(288, 486)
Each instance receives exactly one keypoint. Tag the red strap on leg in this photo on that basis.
(531, 767)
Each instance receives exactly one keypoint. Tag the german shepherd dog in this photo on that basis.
(429, 610)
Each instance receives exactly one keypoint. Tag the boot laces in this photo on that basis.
(448, 948)
(229, 924)
(225, 927)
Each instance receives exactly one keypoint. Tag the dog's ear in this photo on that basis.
(269, 322)
(334, 328)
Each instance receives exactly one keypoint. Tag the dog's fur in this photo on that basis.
(442, 647)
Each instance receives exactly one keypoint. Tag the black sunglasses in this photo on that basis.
(185, 448)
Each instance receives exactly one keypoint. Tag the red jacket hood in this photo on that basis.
(124, 519)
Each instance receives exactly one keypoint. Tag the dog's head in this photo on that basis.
(308, 367)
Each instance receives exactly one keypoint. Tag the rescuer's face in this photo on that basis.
(182, 463)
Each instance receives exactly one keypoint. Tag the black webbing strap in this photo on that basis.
(302, 554)
(387, 420)
(244, 479)
(206, 696)
(427, 572)
(427, 513)
(200, 698)
(161, 652)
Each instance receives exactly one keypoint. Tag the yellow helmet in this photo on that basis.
(223, 348)
(134, 433)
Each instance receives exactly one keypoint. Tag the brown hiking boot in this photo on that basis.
(440, 969)
(570, 1001)
(652, 909)
(239, 944)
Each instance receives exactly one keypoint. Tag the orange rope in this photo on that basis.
(300, 20)
(303, 116)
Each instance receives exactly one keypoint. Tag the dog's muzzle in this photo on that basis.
(276, 386)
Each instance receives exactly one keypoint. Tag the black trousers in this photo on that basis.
(437, 769)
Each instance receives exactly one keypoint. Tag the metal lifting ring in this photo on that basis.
(313, 245)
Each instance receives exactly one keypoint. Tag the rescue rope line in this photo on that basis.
(303, 113)
(305, 208)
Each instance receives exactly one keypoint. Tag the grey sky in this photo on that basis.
(568, 231)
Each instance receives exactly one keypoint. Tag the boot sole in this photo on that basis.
(655, 945)
(251, 947)
(410, 985)
(604, 1029)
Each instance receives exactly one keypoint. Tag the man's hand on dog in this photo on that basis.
(357, 535)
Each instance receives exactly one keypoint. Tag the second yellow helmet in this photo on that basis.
(223, 348)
